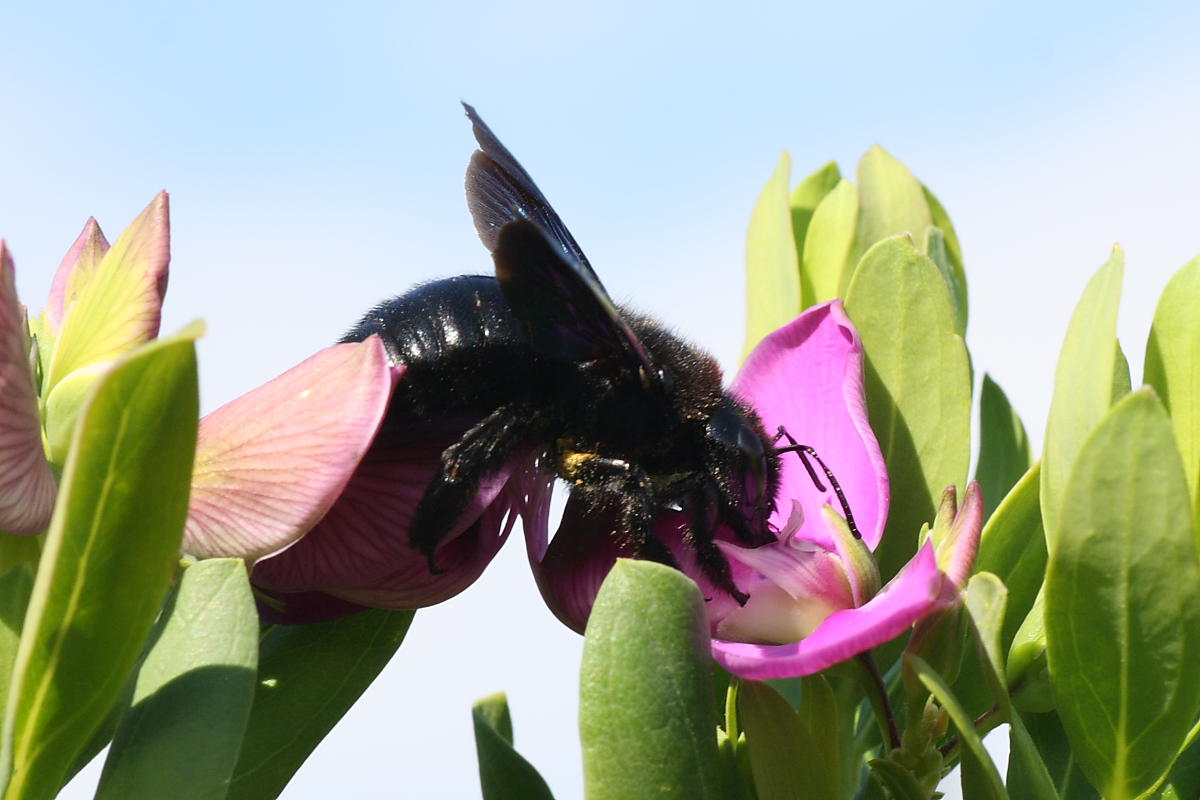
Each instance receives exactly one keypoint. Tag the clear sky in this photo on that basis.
(315, 155)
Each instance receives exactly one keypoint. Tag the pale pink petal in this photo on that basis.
(272, 462)
(119, 305)
(808, 377)
(76, 268)
(916, 591)
(27, 486)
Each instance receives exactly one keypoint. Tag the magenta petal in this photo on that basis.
(83, 257)
(27, 486)
(360, 549)
(272, 462)
(914, 592)
(808, 377)
(570, 570)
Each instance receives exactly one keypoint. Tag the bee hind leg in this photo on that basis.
(481, 451)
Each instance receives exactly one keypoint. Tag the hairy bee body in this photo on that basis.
(539, 362)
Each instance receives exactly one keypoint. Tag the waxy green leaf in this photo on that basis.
(1047, 734)
(824, 264)
(891, 201)
(1083, 384)
(15, 586)
(503, 772)
(109, 556)
(789, 756)
(1004, 451)
(1173, 368)
(953, 251)
(308, 677)
(807, 196)
(918, 386)
(772, 265)
(985, 601)
(646, 700)
(1123, 601)
(1013, 547)
(183, 731)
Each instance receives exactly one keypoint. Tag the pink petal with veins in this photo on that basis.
(27, 486)
(270, 464)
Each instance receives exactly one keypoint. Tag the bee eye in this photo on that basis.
(731, 428)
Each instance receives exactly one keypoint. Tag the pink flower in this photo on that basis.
(104, 302)
(814, 596)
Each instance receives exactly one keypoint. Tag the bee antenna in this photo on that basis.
(803, 451)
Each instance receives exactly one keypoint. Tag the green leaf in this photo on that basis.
(1004, 452)
(789, 757)
(985, 779)
(308, 677)
(953, 250)
(918, 386)
(15, 587)
(109, 556)
(1173, 368)
(935, 247)
(63, 406)
(985, 601)
(1083, 384)
(1123, 601)
(503, 772)
(772, 265)
(824, 269)
(1013, 547)
(645, 716)
(1184, 779)
(808, 195)
(1121, 381)
(1047, 734)
(183, 731)
(891, 201)
(775, 741)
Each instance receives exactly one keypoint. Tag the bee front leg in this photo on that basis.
(604, 482)
(481, 451)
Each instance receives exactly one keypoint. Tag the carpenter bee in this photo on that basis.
(539, 361)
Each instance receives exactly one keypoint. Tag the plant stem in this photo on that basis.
(878, 695)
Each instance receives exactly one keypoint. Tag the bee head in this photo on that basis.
(742, 459)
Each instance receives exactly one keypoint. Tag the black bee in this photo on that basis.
(539, 360)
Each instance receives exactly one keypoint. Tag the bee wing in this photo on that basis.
(500, 191)
(564, 308)
(543, 273)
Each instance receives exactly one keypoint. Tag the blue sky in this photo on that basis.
(315, 160)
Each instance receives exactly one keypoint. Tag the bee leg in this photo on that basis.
(482, 450)
(614, 482)
(703, 510)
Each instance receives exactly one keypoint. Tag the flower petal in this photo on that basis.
(119, 306)
(956, 553)
(360, 550)
(271, 463)
(75, 270)
(916, 591)
(27, 486)
(808, 377)
(571, 568)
